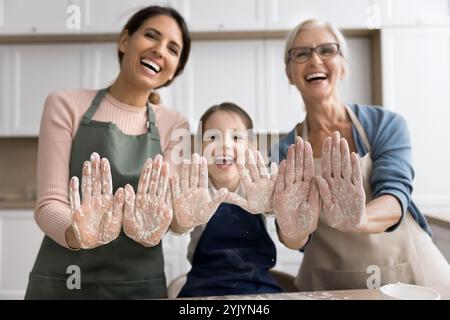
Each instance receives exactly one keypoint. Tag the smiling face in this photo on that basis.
(317, 79)
(152, 53)
(225, 139)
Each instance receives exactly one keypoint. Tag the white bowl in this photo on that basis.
(403, 291)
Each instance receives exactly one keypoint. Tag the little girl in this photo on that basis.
(232, 253)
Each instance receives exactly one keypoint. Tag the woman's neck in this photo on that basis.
(325, 115)
(126, 93)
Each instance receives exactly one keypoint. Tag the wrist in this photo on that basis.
(293, 240)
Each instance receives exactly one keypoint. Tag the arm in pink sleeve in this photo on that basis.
(52, 212)
(178, 145)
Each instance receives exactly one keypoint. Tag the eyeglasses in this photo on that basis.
(324, 51)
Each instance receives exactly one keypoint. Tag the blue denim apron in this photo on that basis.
(233, 256)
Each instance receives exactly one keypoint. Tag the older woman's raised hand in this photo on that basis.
(259, 184)
(97, 217)
(341, 186)
(147, 215)
(296, 199)
(192, 202)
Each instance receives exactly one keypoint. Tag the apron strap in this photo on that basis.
(151, 123)
(359, 128)
(87, 117)
(356, 123)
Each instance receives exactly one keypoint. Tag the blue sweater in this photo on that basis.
(391, 155)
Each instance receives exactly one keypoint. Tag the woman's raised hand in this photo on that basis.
(192, 202)
(147, 215)
(296, 199)
(341, 186)
(259, 184)
(97, 218)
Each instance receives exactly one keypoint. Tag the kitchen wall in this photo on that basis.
(399, 57)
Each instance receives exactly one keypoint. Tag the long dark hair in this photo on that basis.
(138, 19)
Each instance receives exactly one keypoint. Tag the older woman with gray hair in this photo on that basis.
(343, 192)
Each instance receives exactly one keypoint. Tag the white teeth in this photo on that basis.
(224, 160)
(316, 75)
(151, 64)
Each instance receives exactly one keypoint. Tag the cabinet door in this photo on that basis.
(101, 65)
(221, 71)
(110, 16)
(416, 82)
(20, 239)
(415, 12)
(285, 107)
(286, 14)
(39, 17)
(357, 84)
(5, 90)
(217, 15)
(38, 70)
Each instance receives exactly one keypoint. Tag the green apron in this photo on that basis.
(123, 268)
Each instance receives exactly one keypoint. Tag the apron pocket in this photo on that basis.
(332, 279)
(56, 288)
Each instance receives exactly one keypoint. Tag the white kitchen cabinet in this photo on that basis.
(221, 71)
(286, 14)
(101, 65)
(416, 83)
(67, 16)
(30, 17)
(285, 107)
(223, 15)
(37, 70)
(20, 239)
(30, 72)
(358, 82)
(415, 12)
(251, 74)
(37, 17)
(106, 16)
(247, 72)
(5, 56)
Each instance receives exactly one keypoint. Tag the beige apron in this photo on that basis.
(334, 260)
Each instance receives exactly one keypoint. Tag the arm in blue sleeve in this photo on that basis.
(392, 168)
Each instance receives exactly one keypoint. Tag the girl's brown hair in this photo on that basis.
(228, 107)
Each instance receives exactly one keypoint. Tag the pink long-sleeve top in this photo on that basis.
(61, 117)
